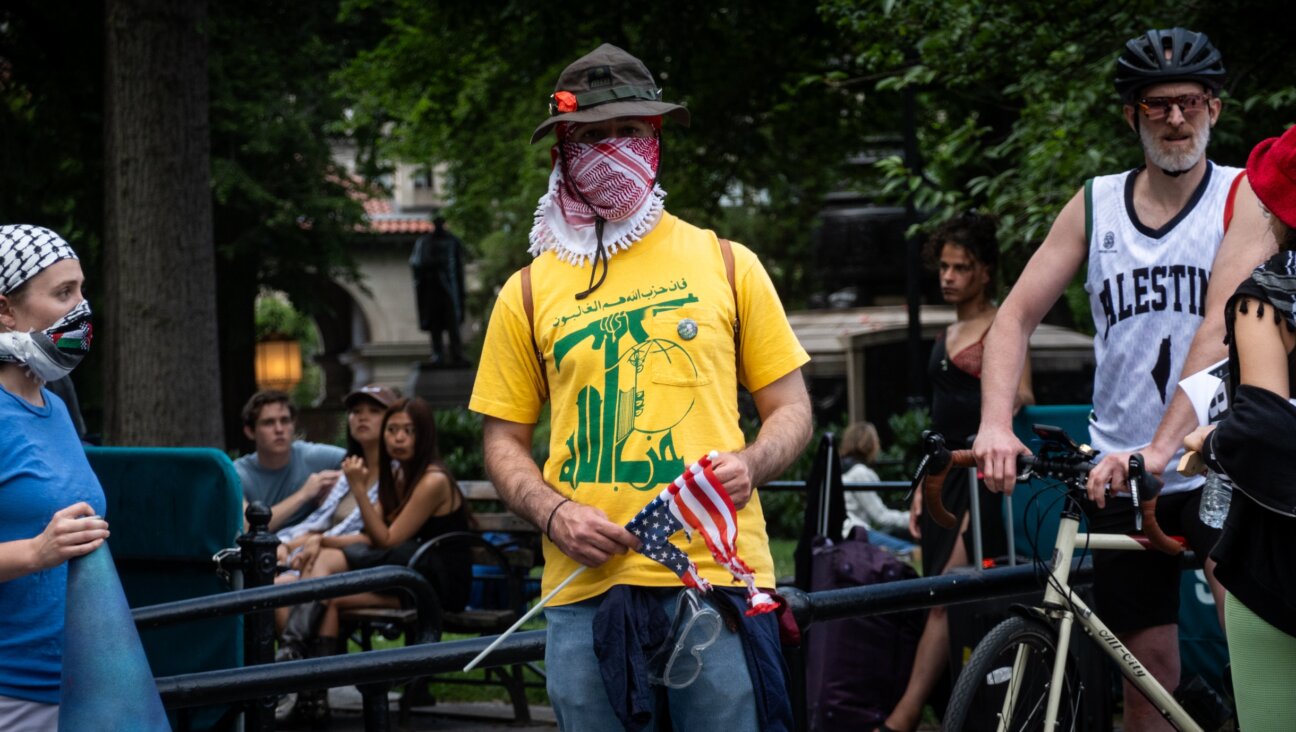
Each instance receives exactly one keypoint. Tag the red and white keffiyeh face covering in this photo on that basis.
(617, 177)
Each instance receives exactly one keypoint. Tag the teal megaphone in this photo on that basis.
(107, 683)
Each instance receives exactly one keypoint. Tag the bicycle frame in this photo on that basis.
(1061, 605)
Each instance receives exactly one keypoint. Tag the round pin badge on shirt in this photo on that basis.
(687, 329)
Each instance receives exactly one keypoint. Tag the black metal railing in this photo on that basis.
(255, 559)
(925, 592)
(376, 671)
(388, 666)
(381, 669)
(353, 582)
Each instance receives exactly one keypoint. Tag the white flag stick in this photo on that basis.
(530, 614)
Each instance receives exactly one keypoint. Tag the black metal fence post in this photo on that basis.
(825, 515)
(258, 548)
(377, 708)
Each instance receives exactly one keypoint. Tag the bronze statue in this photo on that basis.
(438, 264)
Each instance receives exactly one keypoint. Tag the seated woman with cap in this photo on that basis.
(418, 500)
(1253, 445)
(337, 521)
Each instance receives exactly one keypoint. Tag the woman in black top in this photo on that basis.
(1254, 446)
(418, 500)
(965, 251)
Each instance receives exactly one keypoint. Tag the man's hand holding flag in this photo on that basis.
(695, 502)
(698, 501)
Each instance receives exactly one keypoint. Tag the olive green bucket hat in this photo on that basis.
(604, 84)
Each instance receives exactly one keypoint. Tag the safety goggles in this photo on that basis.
(1158, 108)
(695, 628)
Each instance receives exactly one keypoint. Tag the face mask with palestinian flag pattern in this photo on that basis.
(52, 353)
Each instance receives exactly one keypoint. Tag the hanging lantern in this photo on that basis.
(278, 363)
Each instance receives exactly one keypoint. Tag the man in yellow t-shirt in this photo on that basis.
(626, 321)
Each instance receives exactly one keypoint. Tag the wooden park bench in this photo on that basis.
(499, 598)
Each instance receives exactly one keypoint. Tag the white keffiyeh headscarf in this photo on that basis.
(25, 251)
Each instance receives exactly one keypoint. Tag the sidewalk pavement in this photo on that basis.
(480, 716)
(457, 716)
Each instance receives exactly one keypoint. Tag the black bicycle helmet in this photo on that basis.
(1144, 62)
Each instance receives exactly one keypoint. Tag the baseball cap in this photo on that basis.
(381, 394)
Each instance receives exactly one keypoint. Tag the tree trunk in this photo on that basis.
(162, 375)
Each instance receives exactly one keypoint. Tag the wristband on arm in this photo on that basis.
(554, 512)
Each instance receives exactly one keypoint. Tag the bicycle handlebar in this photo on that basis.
(1072, 469)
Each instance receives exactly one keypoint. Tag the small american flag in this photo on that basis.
(697, 502)
(654, 526)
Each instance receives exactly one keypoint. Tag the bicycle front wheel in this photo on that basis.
(1019, 650)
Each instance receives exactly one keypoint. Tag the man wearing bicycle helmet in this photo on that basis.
(1152, 241)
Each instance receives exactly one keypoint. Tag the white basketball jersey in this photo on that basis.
(1147, 293)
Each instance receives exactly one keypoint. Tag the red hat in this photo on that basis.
(1272, 172)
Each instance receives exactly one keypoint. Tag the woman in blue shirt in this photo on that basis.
(50, 500)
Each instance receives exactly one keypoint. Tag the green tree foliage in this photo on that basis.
(459, 438)
(453, 82)
(51, 143)
(1015, 99)
(285, 211)
(282, 201)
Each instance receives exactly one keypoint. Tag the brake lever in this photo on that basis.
(919, 474)
(1135, 479)
(933, 447)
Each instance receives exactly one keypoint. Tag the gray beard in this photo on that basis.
(1175, 162)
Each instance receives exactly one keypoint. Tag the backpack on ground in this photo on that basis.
(857, 668)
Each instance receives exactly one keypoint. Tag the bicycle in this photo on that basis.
(1025, 667)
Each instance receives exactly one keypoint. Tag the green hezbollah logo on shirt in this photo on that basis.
(623, 432)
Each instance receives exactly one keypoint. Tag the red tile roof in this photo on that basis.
(377, 206)
(382, 218)
(401, 225)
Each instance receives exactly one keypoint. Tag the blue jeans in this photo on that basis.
(720, 699)
(891, 543)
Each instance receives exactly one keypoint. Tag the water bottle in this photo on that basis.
(1216, 495)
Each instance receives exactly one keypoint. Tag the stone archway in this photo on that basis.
(339, 326)
(375, 334)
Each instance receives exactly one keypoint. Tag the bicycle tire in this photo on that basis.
(977, 700)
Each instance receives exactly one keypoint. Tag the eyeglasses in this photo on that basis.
(1158, 108)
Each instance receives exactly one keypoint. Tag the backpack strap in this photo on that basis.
(726, 252)
(528, 306)
(1232, 197)
(1088, 210)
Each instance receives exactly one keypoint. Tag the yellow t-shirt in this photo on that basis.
(643, 382)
